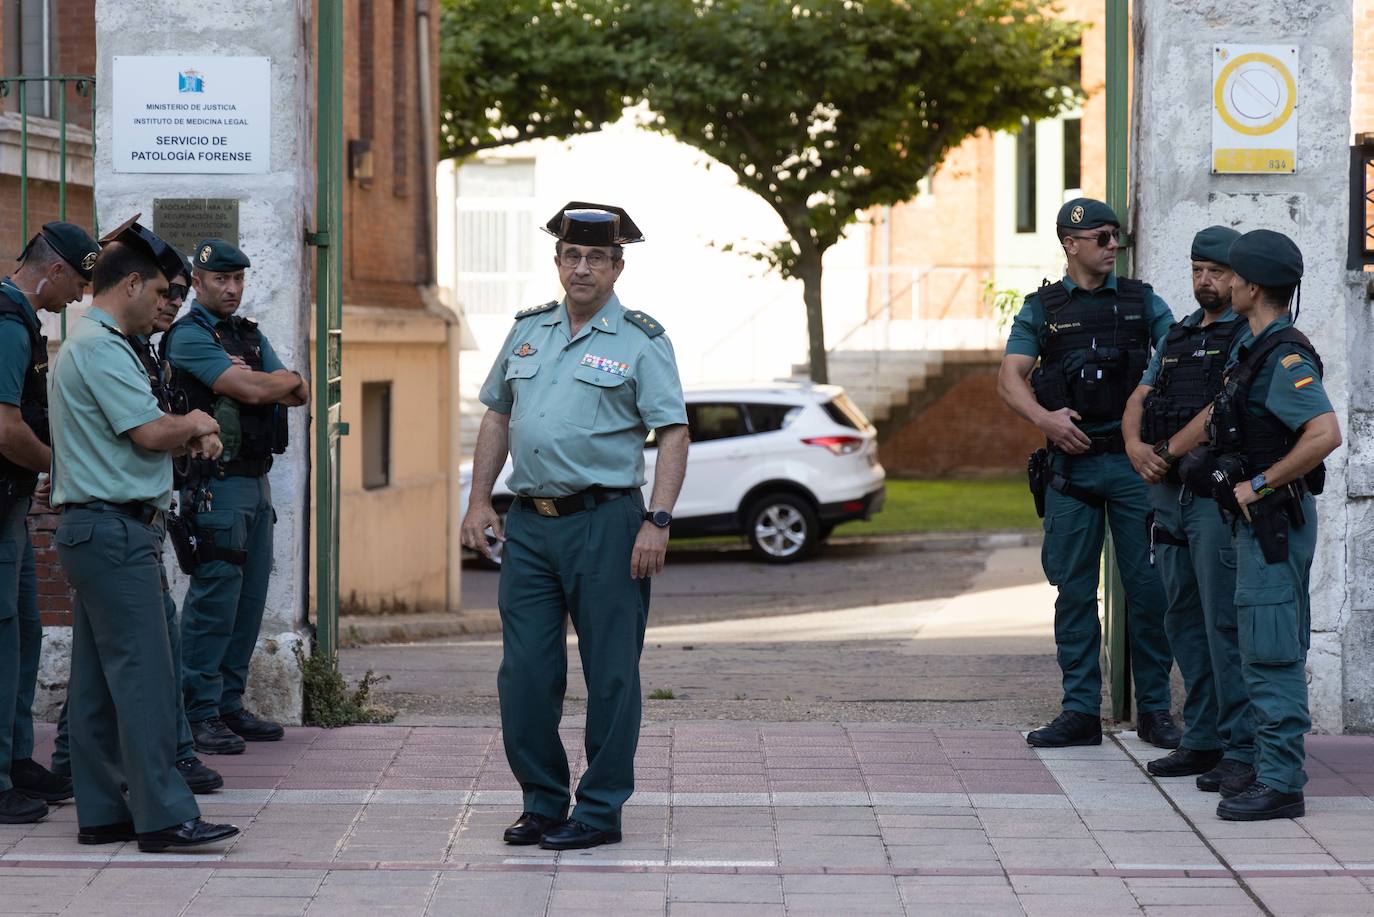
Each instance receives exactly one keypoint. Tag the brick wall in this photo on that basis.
(43, 208)
(54, 593)
(967, 432)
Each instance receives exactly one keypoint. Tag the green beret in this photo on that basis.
(72, 243)
(582, 223)
(1267, 258)
(219, 255)
(1086, 213)
(1214, 244)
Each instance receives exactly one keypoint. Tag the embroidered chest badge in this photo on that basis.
(525, 350)
(613, 367)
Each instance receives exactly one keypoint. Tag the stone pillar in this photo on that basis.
(1175, 194)
(274, 211)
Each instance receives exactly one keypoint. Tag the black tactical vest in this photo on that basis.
(1234, 429)
(1190, 373)
(143, 349)
(263, 425)
(1113, 345)
(33, 397)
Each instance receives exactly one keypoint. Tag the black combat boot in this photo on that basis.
(1158, 728)
(1069, 728)
(1184, 762)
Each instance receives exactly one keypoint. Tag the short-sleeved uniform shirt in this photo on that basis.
(1288, 385)
(15, 349)
(193, 347)
(1027, 336)
(582, 405)
(1192, 321)
(98, 393)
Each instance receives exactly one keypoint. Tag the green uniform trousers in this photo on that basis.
(122, 696)
(1274, 622)
(1071, 557)
(222, 613)
(572, 567)
(61, 755)
(21, 636)
(1200, 582)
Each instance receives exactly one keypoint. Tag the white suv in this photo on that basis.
(781, 463)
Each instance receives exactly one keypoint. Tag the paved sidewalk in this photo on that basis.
(730, 818)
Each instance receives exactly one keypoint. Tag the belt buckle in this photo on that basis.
(545, 506)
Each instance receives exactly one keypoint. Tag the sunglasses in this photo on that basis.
(176, 291)
(1101, 238)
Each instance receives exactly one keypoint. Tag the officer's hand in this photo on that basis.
(1245, 495)
(1146, 463)
(651, 547)
(238, 361)
(43, 492)
(473, 534)
(203, 423)
(1059, 427)
(208, 447)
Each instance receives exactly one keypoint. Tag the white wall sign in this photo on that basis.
(192, 114)
(1254, 108)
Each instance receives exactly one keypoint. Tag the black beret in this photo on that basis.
(1086, 213)
(1267, 258)
(72, 243)
(219, 255)
(1214, 244)
(582, 223)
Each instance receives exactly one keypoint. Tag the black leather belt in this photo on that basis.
(143, 512)
(1104, 445)
(245, 468)
(572, 503)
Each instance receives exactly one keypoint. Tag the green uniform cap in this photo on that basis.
(1214, 244)
(72, 243)
(1267, 258)
(219, 255)
(1086, 213)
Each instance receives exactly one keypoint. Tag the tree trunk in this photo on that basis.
(809, 270)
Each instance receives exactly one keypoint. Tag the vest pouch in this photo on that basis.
(281, 432)
(1094, 391)
(1050, 386)
(1316, 480)
(226, 414)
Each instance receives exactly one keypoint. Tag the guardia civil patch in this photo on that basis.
(613, 367)
(1307, 380)
(1293, 359)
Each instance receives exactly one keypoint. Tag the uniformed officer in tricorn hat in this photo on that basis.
(1270, 429)
(54, 269)
(1092, 334)
(1191, 543)
(578, 386)
(222, 363)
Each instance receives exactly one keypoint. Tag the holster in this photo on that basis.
(192, 550)
(1037, 471)
(1269, 522)
(1158, 534)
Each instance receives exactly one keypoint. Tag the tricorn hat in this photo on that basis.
(582, 223)
(131, 232)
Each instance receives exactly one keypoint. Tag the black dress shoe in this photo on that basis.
(212, 737)
(18, 809)
(106, 834)
(251, 728)
(1068, 728)
(1258, 803)
(1158, 728)
(1184, 762)
(37, 782)
(199, 778)
(574, 835)
(193, 833)
(529, 828)
(1229, 777)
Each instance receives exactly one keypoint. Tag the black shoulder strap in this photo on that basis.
(1131, 291)
(1053, 296)
(1245, 372)
(164, 345)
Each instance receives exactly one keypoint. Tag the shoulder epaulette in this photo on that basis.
(536, 310)
(644, 323)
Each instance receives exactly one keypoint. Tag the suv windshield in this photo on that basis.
(845, 413)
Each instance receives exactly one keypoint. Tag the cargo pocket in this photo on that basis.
(593, 387)
(1064, 533)
(224, 527)
(1268, 625)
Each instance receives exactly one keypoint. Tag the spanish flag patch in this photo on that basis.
(1305, 380)
(1293, 359)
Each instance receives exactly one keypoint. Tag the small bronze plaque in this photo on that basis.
(184, 221)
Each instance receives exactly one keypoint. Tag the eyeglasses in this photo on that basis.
(1101, 238)
(596, 259)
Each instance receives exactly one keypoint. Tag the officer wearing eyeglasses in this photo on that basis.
(577, 388)
(54, 269)
(1092, 334)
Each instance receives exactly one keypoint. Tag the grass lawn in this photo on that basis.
(950, 506)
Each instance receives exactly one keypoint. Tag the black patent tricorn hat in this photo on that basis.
(582, 223)
(131, 232)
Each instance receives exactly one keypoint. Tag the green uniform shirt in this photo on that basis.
(1192, 321)
(1027, 336)
(1288, 385)
(15, 350)
(581, 406)
(99, 392)
(194, 348)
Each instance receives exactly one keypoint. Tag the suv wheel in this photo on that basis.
(782, 528)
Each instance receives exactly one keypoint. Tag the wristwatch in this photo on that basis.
(1162, 450)
(661, 518)
(1260, 486)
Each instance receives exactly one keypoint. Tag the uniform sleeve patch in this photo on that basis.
(1306, 380)
(1293, 359)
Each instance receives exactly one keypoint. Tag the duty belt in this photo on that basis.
(143, 512)
(245, 468)
(572, 503)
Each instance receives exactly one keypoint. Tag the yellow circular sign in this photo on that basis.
(1255, 94)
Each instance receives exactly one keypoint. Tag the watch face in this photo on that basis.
(661, 519)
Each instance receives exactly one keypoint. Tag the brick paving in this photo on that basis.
(729, 818)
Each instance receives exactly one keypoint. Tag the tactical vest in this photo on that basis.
(143, 349)
(1190, 373)
(1112, 343)
(263, 426)
(1235, 429)
(33, 398)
